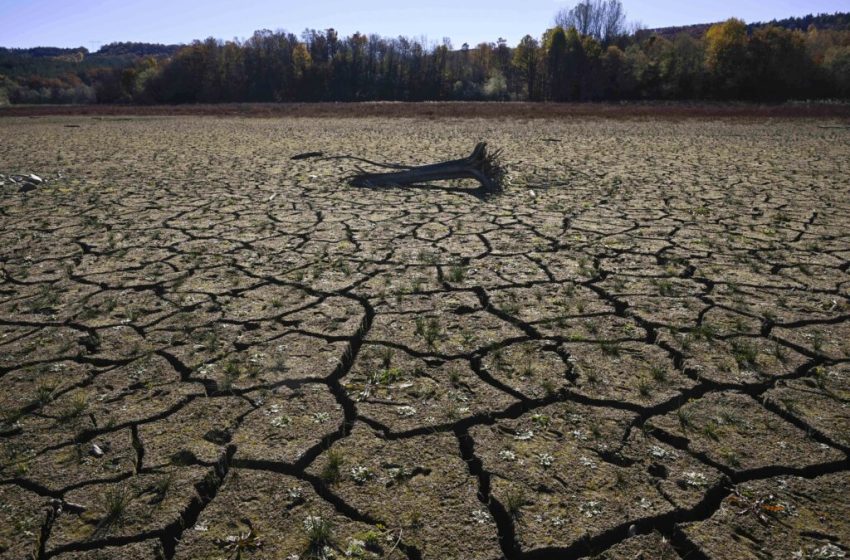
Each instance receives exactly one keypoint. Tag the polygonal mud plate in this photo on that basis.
(786, 306)
(140, 505)
(556, 472)
(218, 280)
(819, 401)
(198, 430)
(288, 423)
(628, 372)
(437, 331)
(145, 550)
(534, 369)
(119, 342)
(680, 478)
(268, 364)
(832, 341)
(30, 388)
(142, 389)
(550, 308)
(420, 485)
(641, 547)
(48, 343)
(606, 328)
(79, 463)
(734, 430)
(334, 316)
(45, 302)
(680, 313)
(113, 307)
(22, 515)
(279, 509)
(739, 359)
(265, 302)
(787, 517)
(193, 311)
(386, 289)
(413, 394)
(500, 271)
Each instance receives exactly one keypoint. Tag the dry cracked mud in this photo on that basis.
(640, 350)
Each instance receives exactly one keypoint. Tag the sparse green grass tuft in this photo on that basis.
(332, 472)
(745, 353)
(457, 273)
(319, 535)
(514, 501)
(685, 419)
(429, 329)
(115, 502)
(75, 407)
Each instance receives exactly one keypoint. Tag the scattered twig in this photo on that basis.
(398, 540)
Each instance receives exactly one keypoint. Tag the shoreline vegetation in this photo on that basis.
(590, 54)
(452, 109)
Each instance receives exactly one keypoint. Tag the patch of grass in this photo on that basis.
(429, 329)
(730, 419)
(818, 340)
(511, 307)
(386, 354)
(75, 407)
(609, 348)
(712, 430)
(332, 472)
(371, 538)
(685, 419)
(658, 374)
(779, 352)
(114, 505)
(45, 391)
(745, 354)
(514, 501)
(319, 535)
(427, 257)
(706, 331)
(731, 458)
(499, 361)
(387, 376)
(666, 288)
(457, 273)
(644, 388)
(541, 420)
(789, 404)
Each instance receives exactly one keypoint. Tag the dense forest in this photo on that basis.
(591, 54)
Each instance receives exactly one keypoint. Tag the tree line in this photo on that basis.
(591, 54)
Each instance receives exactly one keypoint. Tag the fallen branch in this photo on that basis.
(307, 155)
(482, 166)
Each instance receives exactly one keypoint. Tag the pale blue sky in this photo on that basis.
(90, 23)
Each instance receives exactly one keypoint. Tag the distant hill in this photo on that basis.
(51, 62)
(138, 49)
(696, 30)
(42, 52)
(839, 21)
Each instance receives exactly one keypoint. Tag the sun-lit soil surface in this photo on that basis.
(640, 350)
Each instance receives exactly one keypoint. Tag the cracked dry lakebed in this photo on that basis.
(641, 349)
